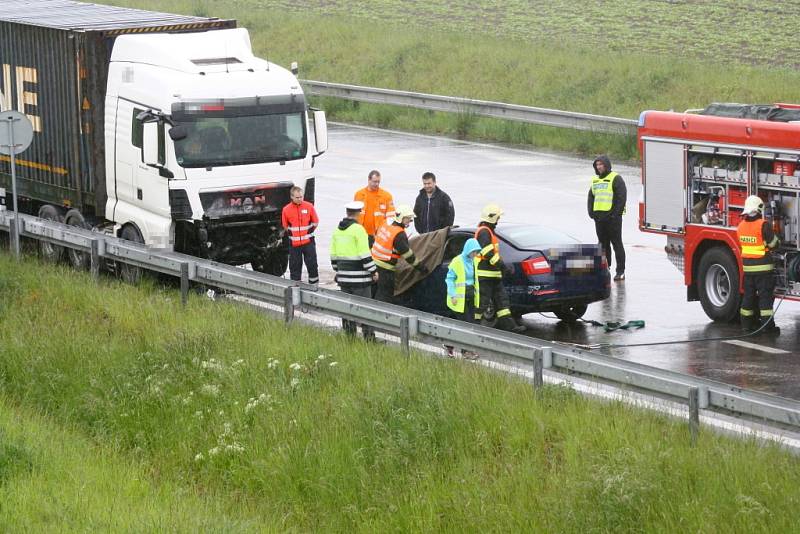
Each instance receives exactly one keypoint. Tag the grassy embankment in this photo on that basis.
(122, 409)
(610, 58)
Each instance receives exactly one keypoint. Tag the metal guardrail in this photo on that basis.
(698, 393)
(497, 110)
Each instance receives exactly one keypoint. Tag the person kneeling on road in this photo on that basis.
(391, 244)
(352, 262)
(463, 290)
(490, 272)
(756, 239)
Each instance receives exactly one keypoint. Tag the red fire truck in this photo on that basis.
(697, 171)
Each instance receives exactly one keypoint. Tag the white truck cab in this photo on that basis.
(207, 140)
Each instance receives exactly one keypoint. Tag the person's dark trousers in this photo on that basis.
(350, 327)
(373, 287)
(305, 253)
(385, 291)
(469, 306)
(492, 291)
(758, 298)
(609, 233)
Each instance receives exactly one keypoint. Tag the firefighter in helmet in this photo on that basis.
(391, 244)
(756, 240)
(490, 272)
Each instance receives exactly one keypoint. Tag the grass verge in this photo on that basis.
(551, 56)
(302, 430)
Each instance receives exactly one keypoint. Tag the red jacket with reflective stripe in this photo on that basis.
(300, 221)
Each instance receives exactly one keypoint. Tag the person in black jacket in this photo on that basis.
(606, 205)
(433, 209)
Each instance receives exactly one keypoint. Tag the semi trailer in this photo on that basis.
(158, 128)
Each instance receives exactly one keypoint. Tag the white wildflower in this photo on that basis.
(234, 447)
(198, 414)
(295, 382)
(320, 357)
(212, 364)
(272, 363)
(333, 364)
(199, 457)
(211, 390)
(213, 451)
(295, 366)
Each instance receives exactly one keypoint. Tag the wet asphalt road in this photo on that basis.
(538, 187)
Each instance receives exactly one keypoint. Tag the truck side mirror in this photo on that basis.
(320, 131)
(176, 133)
(150, 144)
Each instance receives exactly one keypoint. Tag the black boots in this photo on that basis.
(509, 324)
(769, 326)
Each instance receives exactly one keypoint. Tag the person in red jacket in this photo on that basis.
(300, 219)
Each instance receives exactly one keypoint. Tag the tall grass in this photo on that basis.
(298, 429)
(445, 48)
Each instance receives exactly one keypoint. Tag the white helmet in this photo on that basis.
(403, 211)
(754, 204)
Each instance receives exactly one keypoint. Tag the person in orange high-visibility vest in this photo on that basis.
(300, 219)
(378, 206)
(391, 244)
(756, 239)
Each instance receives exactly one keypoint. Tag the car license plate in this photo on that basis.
(580, 263)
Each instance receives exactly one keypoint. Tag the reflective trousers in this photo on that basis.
(307, 253)
(492, 291)
(759, 294)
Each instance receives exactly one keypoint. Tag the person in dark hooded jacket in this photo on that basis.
(433, 209)
(606, 205)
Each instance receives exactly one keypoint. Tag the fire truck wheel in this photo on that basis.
(718, 285)
(131, 274)
(47, 251)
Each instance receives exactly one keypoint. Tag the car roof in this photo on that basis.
(526, 236)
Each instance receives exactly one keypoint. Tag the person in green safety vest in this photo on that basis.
(463, 290)
(606, 205)
(352, 262)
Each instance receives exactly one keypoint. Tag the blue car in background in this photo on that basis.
(553, 272)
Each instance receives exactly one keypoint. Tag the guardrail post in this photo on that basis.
(13, 236)
(94, 265)
(538, 361)
(547, 357)
(405, 335)
(694, 414)
(288, 304)
(185, 283)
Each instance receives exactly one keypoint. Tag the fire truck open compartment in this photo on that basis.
(697, 172)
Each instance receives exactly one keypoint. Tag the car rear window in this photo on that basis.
(531, 236)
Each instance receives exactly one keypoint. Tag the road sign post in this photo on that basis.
(15, 137)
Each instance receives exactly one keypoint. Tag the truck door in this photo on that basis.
(664, 186)
(127, 153)
(151, 190)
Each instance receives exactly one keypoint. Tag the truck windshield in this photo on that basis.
(244, 136)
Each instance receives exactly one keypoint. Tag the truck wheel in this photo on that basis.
(718, 285)
(274, 263)
(78, 259)
(47, 251)
(571, 314)
(131, 274)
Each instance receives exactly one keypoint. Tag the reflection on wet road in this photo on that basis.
(551, 189)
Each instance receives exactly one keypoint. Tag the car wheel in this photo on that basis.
(718, 285)
(571, 314)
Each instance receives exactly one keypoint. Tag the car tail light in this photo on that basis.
(603, 262)
(535, 265)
